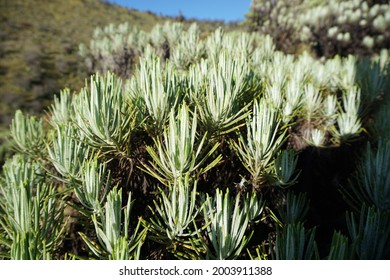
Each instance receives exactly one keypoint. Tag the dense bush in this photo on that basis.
(116, 48)
(329, 27)
(204, 153)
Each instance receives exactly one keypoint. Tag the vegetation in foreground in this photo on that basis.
(203, 147)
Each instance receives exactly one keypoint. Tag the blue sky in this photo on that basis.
(227, 10)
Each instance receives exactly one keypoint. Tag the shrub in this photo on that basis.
(327, 27)
(194, 160)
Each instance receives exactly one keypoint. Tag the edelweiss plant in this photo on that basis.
(227, 219)
(156, 95)
(264, 138)
(62, 110)
(147, 168)
(179, 151)
(220, 105)
(112, 229)
(348, 121)
(32, 213)
(174, 219)
(104, 117)
(28, 134)
(68, 154)
(95, 183)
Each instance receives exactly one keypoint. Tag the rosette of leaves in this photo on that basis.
(348, 120)
(264, 138)
(227, 221)
(174, 218)
(156, 91)
(285, 173)
(370, 233)
(68, 154)
(106, 120)
(113, 230)
(62, 109)
(28, 134)
(94, 186)
(371, 185)
(189, 49)
(179, 151)
(32, 221)
(294, 242)
(220, 104)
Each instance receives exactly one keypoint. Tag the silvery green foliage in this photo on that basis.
(32, 215)
(67, 153)
(292, 86)
(311, 100)
(276, 18)
(220, 103)
(317, 137)
(172, 120)
(180, 151)
(189, 48)
(264, 138)
(348, 121)
(20, 170)
(175, 213)
(156, 91)
(112, 228)
(283, 82)
(345, 26)
(228, 220)
(95, 183)
(104, 117)
(112, 48)
(28, 134)
(37, 228)
(115, 48)
(62, 109)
